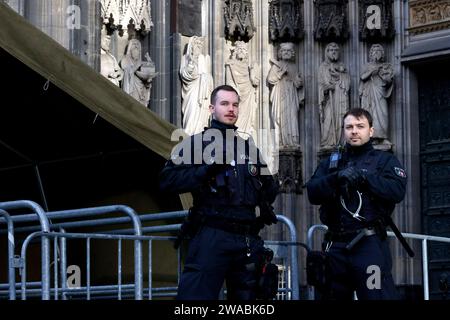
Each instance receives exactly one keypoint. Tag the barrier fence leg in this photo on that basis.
(11, 249)
(138, 278)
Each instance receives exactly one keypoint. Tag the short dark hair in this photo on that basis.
(224, 87)
(358, 113)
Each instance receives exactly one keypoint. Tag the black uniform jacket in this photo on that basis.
(233, 192)
(384, 187)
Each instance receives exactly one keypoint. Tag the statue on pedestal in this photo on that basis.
(334, 86)
(375, 89)
(286, 96)
(197, 84)
(245, 79)
(138, 75)
(109, 67)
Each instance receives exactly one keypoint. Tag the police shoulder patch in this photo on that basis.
(400, 172)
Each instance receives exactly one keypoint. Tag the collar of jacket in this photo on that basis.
(222, 126)
(360, 149)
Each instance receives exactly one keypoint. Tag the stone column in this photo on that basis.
(160, 42)
(50, 16)
(72, 23)
(85, 41)
(17, 5)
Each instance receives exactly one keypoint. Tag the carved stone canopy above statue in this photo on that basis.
(376, 20)
(331, 20)
(130, 16)
(238, 15)
(110, 27)
(285, 20)
(290, 171)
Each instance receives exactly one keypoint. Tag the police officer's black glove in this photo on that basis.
(267, 214)
(351, 177)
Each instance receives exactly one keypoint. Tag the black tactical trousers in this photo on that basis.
(216, 255)
(366, 269)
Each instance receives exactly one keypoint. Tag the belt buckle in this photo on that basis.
(369, 232)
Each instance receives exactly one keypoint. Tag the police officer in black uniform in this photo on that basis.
(357, 190)
(226, 186)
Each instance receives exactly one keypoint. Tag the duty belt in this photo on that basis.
(232, 226)
(351, 238)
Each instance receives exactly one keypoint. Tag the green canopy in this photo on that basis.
(51, 60)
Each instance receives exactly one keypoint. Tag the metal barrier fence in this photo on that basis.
(138, 288)
(422, 237)
(48, 222)
(45, 244)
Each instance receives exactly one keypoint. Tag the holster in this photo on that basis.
(267, 287)
(267, 214)
(380, 229)
(318, 271)
(190, 226)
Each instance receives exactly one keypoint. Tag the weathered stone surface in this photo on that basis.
(189, 17)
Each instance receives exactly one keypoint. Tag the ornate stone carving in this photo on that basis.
(438, 250)
(290, 171)
(286, 95)
(428, 15)
(197, 84)
(331, 20)
(128, 15)
(439, 225)
(138, 75)
(286, 20)
(334, 86)
(189, 24)
(376, 20)
(238, 15)
(376, 84)
(245, 79)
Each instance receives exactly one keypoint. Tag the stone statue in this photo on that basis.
(334, 86)
(138, 75)
(109, 67)
(374, 89)
(197, 84)
(286, 95)
(245, 79)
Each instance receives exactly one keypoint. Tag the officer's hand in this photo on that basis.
(351, 176)
(267, 214)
